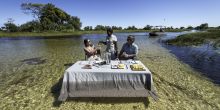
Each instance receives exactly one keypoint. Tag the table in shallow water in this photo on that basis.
(103, 81)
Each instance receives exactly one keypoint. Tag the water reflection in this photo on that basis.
(204, 58)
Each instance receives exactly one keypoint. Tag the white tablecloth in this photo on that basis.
(102, 81)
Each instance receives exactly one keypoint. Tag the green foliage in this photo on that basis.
(32, 8)
(196, 38)
(88, 28)
(75, 22)
(216, 44)
(169, 28)
(101, 28)
(9, 26)
(51, 17)
(189, 27)
(31, 26)
(186, 40)
(148, 27)
(104, 28)
(116, 28)
(131, 28)
(202, 26)
(182, 27)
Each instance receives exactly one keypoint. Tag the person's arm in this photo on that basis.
(103, 42)
(90, 52)
(116, 48)
(121, 52)
(135, 54)
(131, 55)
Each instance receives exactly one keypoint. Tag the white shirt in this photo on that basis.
(109, 43)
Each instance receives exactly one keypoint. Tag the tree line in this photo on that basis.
(48, 17)
(203, 26)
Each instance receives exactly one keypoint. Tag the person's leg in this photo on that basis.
(113, 56)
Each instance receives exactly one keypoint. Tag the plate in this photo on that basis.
(114, 66)
(121, 66)
(137, 67)
(87, 67)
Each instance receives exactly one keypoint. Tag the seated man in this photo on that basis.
(129, 49)
(90, 50)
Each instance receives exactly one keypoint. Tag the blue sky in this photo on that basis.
(125, 12)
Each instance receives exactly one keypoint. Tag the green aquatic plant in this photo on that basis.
(217, 44)
(197, 38)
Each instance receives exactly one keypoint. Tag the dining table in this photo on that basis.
(98, 79)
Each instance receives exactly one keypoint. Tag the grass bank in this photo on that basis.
(197, 38)
(70, 33)
(51, 34)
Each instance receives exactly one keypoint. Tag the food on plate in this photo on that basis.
(121, 66)
(137, 67)
(87, 66)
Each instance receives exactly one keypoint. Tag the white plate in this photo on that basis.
(114, 66)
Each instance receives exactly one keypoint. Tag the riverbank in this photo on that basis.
(197, 38)
(52, 34)
(37, 86)
(69, 33)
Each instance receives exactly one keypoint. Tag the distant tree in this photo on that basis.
(148, 27)
(116, 28)
(106, 27)
(204, 26)
(182, 27)
(52, 17)
(100, 27)
(131, 28)
(10, 26)
(197, 28)
(169, 28)
(218, 27)
(75, 22)
(189, 27)
(2, 28)
(32, 8)
(119, 28)
(88, 28)
(31, 26)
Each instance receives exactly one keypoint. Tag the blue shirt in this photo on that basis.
(130, 49)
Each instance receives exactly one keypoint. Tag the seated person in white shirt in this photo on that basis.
(129, 49)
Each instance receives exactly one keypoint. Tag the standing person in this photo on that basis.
(111, 44)
(129, 49)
